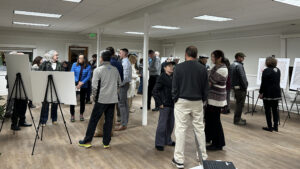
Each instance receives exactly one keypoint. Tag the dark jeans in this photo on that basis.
(271, 105)
(97, 112)
(165, 127)
(152, 82)
(240, 97)
(18, 116)
(140, 89)
(213, 126)
(45, 112)
(89, 91)
(83, 93)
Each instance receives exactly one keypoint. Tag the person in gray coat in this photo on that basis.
(239, 84)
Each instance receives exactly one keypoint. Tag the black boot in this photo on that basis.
(270, 129)
(15, 127)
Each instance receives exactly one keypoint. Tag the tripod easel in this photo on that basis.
(50, 86)
(294, 102)
(19, 90)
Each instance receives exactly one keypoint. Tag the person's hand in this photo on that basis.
(78, 87)
(80, 83)
(261, 96)
(161, 106)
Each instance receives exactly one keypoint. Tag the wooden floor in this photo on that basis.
(248, 147)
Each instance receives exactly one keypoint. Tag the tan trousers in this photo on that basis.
(99, 128)
(184, 111)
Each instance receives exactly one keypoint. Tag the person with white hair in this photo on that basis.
(51, 63)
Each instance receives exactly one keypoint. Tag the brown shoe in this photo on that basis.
(98, 135)
(121, 128)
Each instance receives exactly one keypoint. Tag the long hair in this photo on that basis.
(219, 54)
(85, 61)
(37, 60)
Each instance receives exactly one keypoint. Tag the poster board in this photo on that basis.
(19, 63)
(282, 63)
(64, 83)
(295, 81)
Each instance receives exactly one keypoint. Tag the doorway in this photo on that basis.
(75, 51)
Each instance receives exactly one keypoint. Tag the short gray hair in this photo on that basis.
(48, 56)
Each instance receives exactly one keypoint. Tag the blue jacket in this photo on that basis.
(114, 62)
(86, 74)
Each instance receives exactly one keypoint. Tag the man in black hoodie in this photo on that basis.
(162, 94)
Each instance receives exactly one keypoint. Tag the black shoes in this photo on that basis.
(275, 129)
(156, 109)
(178, 165)
(267, 129)
(25, 124)
(15, 128)
(159, 148)
(214, 148)
(172, 144)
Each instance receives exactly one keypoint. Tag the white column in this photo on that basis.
(145, 69)
(99, 36)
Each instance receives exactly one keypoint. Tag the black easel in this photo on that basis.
(51, 87)
(294, 102)
(18, 89)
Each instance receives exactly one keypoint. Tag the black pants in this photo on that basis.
(89, 91)
(98, 109)
(271, 105)
(18, 116)
(213, 126)
(83, 93)
(240, 98)
(45, 112)
(152, 82)
(165, 127)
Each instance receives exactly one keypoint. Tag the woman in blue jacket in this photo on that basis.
(82, 72)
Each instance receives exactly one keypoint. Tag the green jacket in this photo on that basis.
(47, 66)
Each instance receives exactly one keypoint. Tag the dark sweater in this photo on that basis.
(162, 91)
(190, 81)
(270, 84)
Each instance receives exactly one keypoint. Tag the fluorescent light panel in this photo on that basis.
(31, 24)
(76, 1)
(165, 27)
(290, 2)
(48, 15)
(135, 33)
(212, 18)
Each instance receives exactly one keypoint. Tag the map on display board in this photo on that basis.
(282, 63)
(295, 82)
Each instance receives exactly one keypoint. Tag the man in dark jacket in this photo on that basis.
(239, 84)
(162, 94)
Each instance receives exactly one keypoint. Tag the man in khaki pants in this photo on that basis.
(189, 91)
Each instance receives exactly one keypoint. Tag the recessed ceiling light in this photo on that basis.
(48, 15)
(76, 1)
(135, 33)
(165, 27)
(31, 24)
(212, 18)
(290, 2)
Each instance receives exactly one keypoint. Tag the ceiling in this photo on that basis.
(119, 16)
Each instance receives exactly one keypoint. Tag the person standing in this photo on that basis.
(117, 64)
(93, 64)
(270, 93)
(154, 71)
(36, 63)
(82, 74)
(189, 91)
(216, 101)
(132, 87)
(162, 94)
(140, 89)
(203, 60)
(226, 109)
(106, 80)
(51, 64)
(239, 84)
(123, 102)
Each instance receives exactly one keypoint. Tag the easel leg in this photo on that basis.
(36, 137)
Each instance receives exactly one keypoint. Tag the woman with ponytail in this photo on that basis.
(216, 101)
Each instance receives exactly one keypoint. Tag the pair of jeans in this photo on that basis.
(123, 104)
(98, 110)
(140, 89)
(152, 82)
(271, 105)
(18, 116)
(165, 127)
(83, 92)
(240, 97)
(45, 112)
(213, 126)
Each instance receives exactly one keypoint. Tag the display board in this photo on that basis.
(295, 82)
(19, 63)
(64, 83)
(282, 64)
